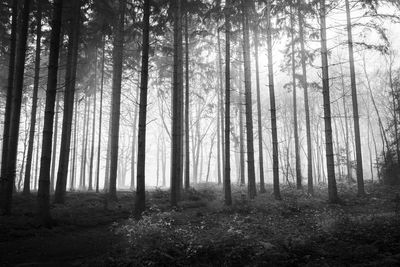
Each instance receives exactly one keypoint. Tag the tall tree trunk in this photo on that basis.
(55, 137)
(177, 100)
(360, 178)
(227, 177)
(241, 131)
(93, 126)
(116, 97)
(44, 176)
(14, 107)
(275, 156)
(221, 106)
(83, 148)
(140, 201)
(260, 135)
(74, 156)
(70, 77)
(310, 186)
(295, 126)
(248, 103)
(101, 114)
(134, 138)
(187, 152)
(332, 190)
(9, 100)
(34, 98)
(35, 183)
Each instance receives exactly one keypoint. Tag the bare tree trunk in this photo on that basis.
(295, 126)
(177, 101)
(260, 135)
(134, 137)
(227, 173)
(310, 186)
(221, 106)
(44, 176)
(93, 126)
(241, 132)
(28, 168)
(187, 153)
(209, 159)
(141, 190)
(116, 97)
(332, 190)
(73, 172)
(35, 183)
(275, 157)
(360, 178)
(55, 138)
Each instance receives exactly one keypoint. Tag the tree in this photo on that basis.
(14, 108)
(116, 97)
(177, 101)
(227, 178)
(306, 104)
(360, 179)
(187, 155)
(44, 175)
(101, 112)
(275, 156)
(140, 191)
(28, 166)
(70, 79)
(332, 190)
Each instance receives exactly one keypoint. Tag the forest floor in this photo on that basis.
(298, 231)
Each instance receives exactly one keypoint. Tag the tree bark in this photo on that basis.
(248, 103)
(227, 177)
(116, 97)
(28, 166)
(275, 156)
(187, 152)
(44, 176)
(332, 190)
(93, 126)
(55, 137)
(140, 203)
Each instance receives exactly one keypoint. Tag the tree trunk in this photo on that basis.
(177, 100)
(116, 97)
(260, 135)
(360, 178)
(9, 100)
(93, 126)
(248, 103)
(70, 77)
(28, 168)
(140, 203)
(310, 187)
(55, 137)
(275, 157)
(187, 152)
(35, 183)
(295, 126)
(83, 148)
(101, 114)
(134, 139)
(241, 132)
(227, 173)
(332, 190)
(44, 176)
(73, 172)
(14, 107)
(221, 106)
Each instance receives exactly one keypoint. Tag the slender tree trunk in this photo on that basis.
(55, 138)
(241, 132)
(227, 177)
(260, 135)
(177, 100)
(360, 178)
(310, 187)
(28, 168)
(44, 176)
(346, 132)
(11, 146)
(295, 126)
(101, 114)
(248, 102)
(70, 77)
(134, 139)
(221, 106)
(74, 165)
(83, 151)
(209, 158)
(332, 190)
(141, 190)
(93, 126)
(187, 151)
(116, 97)
(35, 183)
(8, 109)
(275, 156)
